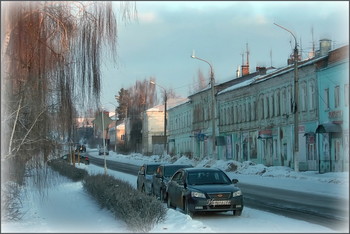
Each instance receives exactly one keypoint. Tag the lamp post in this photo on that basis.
(165, 113)
(213, 108)
(295, 106)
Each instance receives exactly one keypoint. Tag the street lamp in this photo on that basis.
(212, 83)
(165, 113)
(295, 107)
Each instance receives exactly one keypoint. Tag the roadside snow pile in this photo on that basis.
(251, 168)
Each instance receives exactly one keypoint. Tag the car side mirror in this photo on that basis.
(234, 181)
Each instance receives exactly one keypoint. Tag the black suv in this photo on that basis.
(161, 178)
(144, 177)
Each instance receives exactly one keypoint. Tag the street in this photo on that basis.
(317, 209)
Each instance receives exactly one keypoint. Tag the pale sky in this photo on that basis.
(160, 42)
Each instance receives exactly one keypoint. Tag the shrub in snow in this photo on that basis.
(67, 169)
(10, 202)
(139, 211)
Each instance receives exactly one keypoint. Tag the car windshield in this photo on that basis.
(207, 177)
(151, 169)
(169, 171)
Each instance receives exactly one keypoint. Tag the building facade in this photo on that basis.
(333, 129)
(255, 113)
(181, 139)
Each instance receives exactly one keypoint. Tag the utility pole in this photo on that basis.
(213, 102)
(295, 106)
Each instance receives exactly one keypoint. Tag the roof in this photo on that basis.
(270, 74)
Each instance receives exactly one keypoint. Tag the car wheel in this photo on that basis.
(186, 208)
(237, 212)
(169, 205)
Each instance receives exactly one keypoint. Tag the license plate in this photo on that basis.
(218, 203)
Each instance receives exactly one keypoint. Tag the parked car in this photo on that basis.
(80, 148)
(83, 158)
(161, 178)
(144, 177)
(202, 190)
(103, 150)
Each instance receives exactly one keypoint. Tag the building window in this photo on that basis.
(303, 97)
(336, 96)
(243, 112)
(284, 102)
(290, 109)
(261, 108)
(275, 149)
(326, 98)
(266, 107)
(337, 150)
(232, 116)
(312, 97)
(225, 116)
(253, 110)
(272, 103)
(277, 103)
(248, 111)
(346, 95)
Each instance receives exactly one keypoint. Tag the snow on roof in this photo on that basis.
(270, 73)
(172, 102)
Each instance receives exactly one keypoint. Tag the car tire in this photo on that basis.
(186, 208)
(237, 212)
(169, 205)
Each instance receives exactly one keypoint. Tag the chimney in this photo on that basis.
(261, 70)
(325, 46)
(238, 72)
(245, 70)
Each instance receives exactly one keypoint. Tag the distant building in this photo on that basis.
(153, 127)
